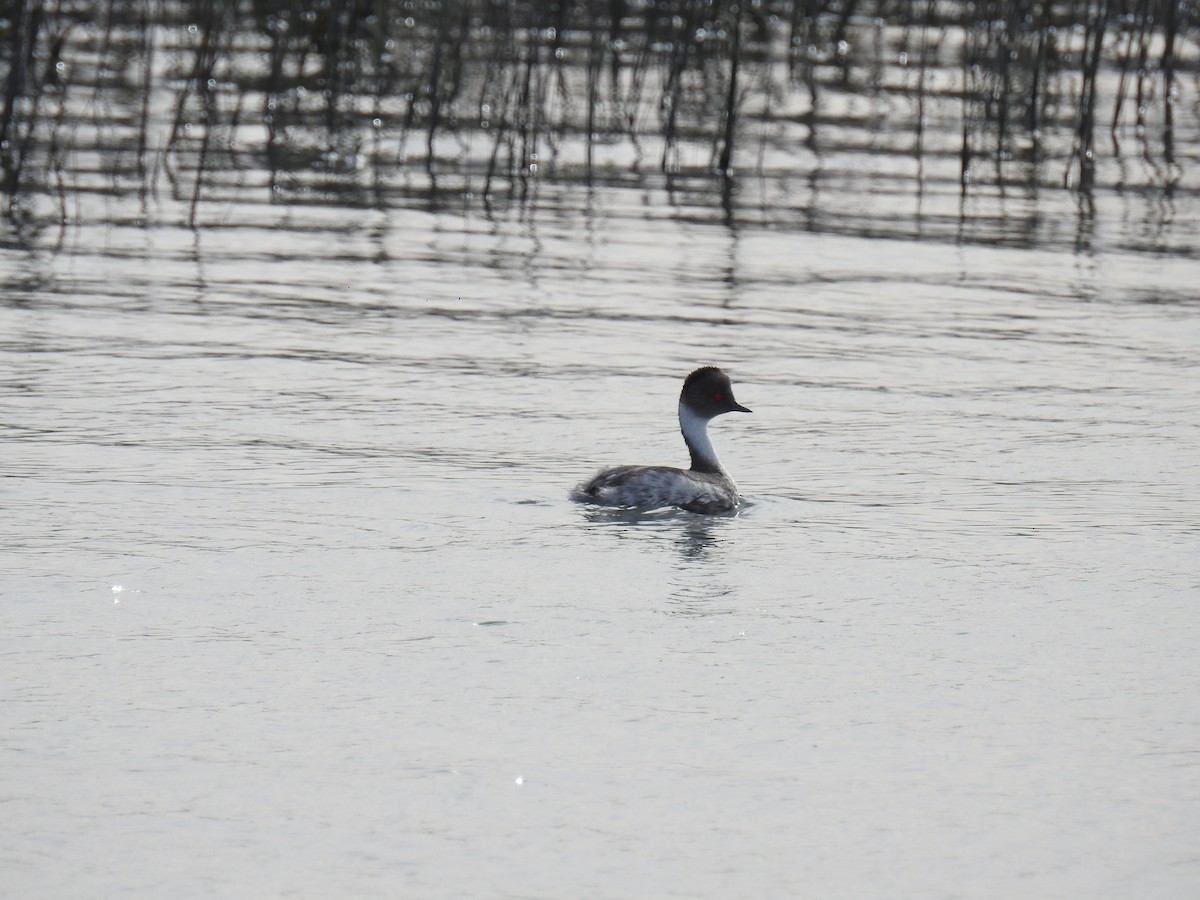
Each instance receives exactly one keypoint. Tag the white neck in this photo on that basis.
(695, 435)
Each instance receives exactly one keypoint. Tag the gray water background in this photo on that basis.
(294, 603)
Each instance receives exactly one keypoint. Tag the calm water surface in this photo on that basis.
(295, 604)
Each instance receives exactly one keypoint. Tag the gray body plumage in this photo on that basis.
(653, 487)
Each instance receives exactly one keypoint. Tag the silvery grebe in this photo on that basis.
(704, 488)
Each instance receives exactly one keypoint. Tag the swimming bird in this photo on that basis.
(704, 488)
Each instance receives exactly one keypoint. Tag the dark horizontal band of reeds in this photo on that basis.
(530, 76)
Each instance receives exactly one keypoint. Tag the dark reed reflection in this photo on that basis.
(377, 102)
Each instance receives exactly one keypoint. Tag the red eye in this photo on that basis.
(718, 396)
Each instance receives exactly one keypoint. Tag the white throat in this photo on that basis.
(695, 434)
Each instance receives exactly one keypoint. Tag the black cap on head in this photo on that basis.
(709, 392)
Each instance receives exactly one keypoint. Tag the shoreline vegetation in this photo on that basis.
(338, 96)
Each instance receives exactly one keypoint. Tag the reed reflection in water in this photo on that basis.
(757, 110)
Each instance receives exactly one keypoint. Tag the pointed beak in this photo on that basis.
(737, 407)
